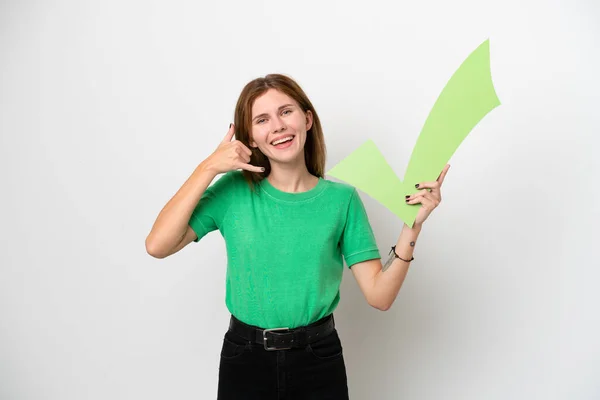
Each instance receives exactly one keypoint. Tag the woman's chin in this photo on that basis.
(290, 159)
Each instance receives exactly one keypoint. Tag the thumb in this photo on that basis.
(230, 134)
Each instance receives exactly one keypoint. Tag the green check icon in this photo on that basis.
(468, 96)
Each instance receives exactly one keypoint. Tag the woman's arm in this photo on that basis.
(381, 284)
(171, 232)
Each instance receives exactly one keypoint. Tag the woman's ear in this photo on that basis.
(251, 141)
(309, 120)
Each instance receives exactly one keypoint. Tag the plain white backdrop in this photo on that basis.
(107, 107)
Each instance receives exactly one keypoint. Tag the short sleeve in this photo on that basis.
(358, 241)
(211, 209)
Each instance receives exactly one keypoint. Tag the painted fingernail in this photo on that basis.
(262, 169)
(407, 196)
(230, 126)
(417, 185)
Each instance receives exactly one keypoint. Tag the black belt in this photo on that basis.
(283, 338)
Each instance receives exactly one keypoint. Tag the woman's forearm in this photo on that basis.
(389, 280)
(172, 221)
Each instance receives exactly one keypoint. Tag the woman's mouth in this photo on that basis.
(284, 143)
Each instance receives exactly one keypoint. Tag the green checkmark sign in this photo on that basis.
(468, 96)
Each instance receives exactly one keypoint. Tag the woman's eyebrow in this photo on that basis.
(279, 109)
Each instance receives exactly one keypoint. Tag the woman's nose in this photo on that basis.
(278, 124)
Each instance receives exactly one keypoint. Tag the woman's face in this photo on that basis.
(276, 117)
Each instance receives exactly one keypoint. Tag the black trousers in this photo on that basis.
(248, 371)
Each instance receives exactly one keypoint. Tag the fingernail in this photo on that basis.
(230, 126)
(407, 196)
(417, 185)
(406, 200)
(262, 169)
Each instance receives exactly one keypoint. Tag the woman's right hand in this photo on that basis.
(231, 155)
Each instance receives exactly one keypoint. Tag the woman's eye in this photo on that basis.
(285, 112)
(260, 121)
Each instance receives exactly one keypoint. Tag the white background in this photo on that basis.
(106, 108)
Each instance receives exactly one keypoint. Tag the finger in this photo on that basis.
(242, 156)
(425, 193)
(434, 186)
(428, 185)
(418, 194)
(416, 200)
(230, 134)
(440, 178)
(244, 148)
(253, 168)
(425, 202)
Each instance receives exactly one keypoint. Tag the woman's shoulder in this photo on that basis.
(228, 182)
(340, 188)
(235, 176)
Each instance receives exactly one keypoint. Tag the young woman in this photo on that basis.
(286, 230)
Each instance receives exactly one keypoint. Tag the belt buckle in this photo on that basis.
(273, 330)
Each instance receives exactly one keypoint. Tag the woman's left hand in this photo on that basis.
(429, 197)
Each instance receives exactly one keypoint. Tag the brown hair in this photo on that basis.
(314, 148)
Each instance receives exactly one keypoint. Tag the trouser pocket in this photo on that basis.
(234, 346)
(327, 348)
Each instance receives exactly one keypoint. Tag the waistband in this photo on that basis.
(283, 338)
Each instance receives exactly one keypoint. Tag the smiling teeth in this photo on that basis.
(282, 140)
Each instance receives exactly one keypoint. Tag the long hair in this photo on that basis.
(314, 148)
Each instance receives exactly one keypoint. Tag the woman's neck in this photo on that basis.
(292, 180)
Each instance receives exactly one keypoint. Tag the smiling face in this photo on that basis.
(277, 118)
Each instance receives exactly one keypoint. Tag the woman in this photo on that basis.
(286, 231)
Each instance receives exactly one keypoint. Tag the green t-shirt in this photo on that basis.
(284, 250)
